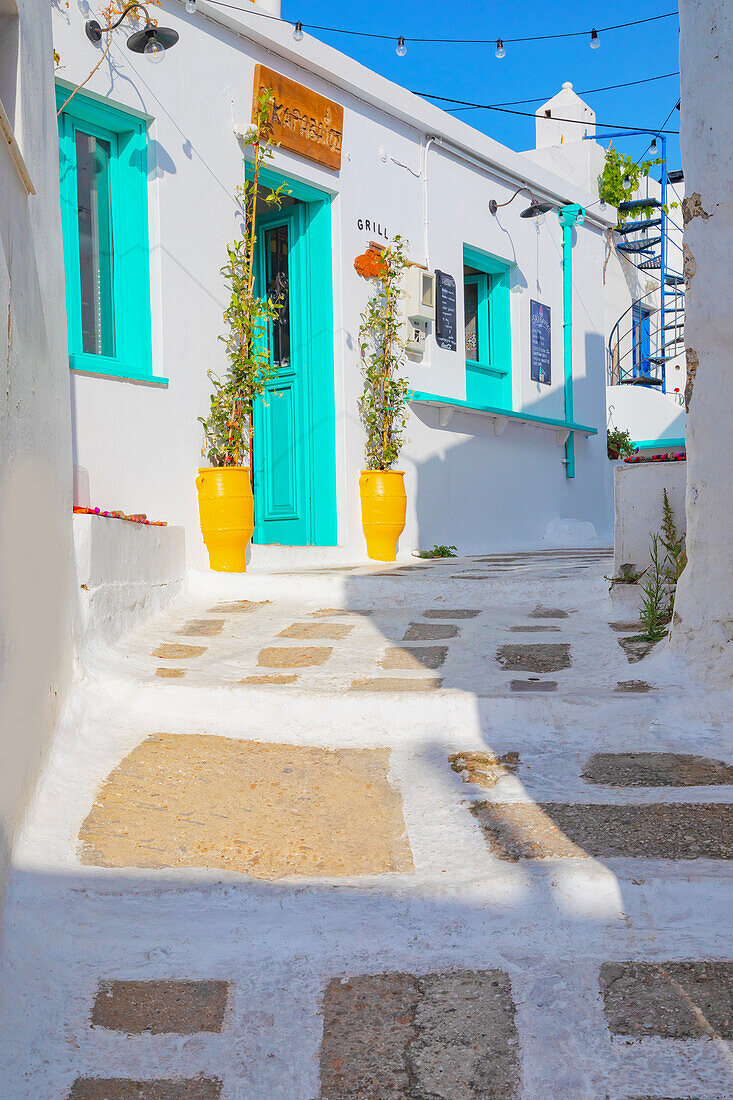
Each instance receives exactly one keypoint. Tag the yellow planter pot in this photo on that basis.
(226, 511)
(383, 510)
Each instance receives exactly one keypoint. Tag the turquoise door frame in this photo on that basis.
(295, 420)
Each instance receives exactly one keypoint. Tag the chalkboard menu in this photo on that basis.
(445, 311)
(541, 354)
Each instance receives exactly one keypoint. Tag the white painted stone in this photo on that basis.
(36, 570)
(638, 499)
(125, 572)
(703, 624)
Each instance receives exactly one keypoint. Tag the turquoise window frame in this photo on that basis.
(126, 132)
(489, 381)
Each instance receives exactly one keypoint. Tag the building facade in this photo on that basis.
(506, 445)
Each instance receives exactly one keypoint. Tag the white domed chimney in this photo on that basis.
(551, 127)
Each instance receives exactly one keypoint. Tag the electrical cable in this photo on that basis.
(556, 118)
(445, 41)
(542, 99)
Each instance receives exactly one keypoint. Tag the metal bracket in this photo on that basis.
(500, 423)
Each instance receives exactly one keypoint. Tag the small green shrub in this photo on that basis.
(655, 611)
(439, 552)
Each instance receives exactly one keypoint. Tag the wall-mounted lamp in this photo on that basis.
(152, 42)
(534, 210)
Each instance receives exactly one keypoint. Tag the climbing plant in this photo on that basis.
(619, 443)
(620, 168)
(383, 404)
(228, 427)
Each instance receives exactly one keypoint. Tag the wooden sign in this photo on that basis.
(303, 121)
(445, 311)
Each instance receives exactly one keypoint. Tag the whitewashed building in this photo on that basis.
(646, 370)
(506, 446)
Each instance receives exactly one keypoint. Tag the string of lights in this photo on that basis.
(299, 27)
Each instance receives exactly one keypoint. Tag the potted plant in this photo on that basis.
(383, 406)
(619, 444)
(226, 503)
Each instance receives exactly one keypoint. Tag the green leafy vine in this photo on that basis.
(383, 404)
(619, 169)
(228, 427)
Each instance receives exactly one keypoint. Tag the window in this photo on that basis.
(104, 209)
(487, 330)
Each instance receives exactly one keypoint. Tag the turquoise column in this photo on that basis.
(569, 216)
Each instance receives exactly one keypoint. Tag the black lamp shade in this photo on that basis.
(536, 208)
(165, 36)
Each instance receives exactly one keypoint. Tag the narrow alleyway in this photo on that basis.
(426, 831)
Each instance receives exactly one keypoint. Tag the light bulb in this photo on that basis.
(500, 51)
(594, 39)
(626, 184)
(401, 47)
(653, 146)
(298, 32)
(154, 52)
(191, 7)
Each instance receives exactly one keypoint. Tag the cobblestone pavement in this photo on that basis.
(408, 832)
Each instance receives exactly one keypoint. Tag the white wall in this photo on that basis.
(702, 627)
(36, 570)
(639, 497)
(141, 444)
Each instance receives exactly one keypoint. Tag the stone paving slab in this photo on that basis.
(307, 631)
(178, 651)
(237, 607)
(534, 629)
(207, 628)
(395, 683)
(259, 681)
(636, 649)
(398, 1036)
(293, 656)
(533, 685)
(267, 810)
(534, 657)
(673, 1000)
(158, 1007)
(541, 612)
(124, 1088)
(556, 830)
(484, 768)
(414, 657)
(442, 613)
(633, 687)
(170, 673)
(656, 769)
(428, 632)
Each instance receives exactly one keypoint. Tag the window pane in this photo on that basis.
(95, 243)
(470, 298)
(276, 251)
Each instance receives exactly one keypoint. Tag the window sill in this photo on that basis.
(498, 372)
(501, 417)
(103, 367)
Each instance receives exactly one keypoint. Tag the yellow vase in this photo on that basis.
(383, 510)
(226, 511)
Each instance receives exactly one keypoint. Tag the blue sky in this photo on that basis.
(531, 69)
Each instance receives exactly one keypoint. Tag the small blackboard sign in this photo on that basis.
(445, 311)
(540, 342)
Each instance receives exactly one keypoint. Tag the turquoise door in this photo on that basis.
(282, 416)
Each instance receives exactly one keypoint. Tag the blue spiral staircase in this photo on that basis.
(651, 332)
